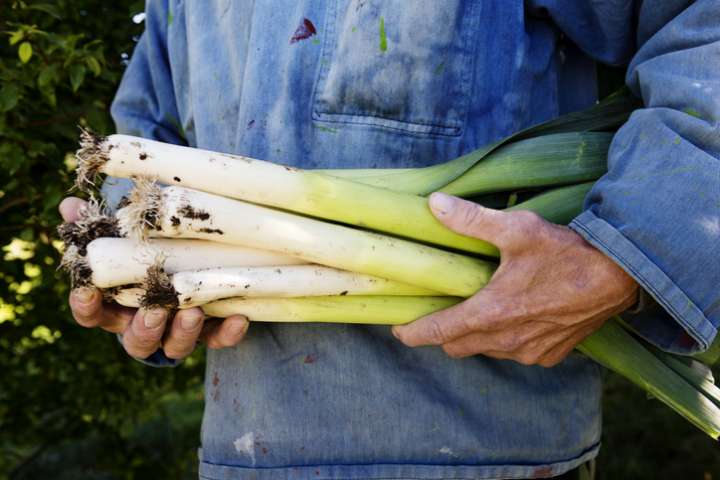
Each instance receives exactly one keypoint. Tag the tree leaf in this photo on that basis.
(77, 75)
(51, 10)
(47, 76)
(9, 96)
(25, 52)
(16, 37)
(93, 65)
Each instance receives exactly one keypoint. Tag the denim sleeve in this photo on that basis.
(657, 210)
(144, 106)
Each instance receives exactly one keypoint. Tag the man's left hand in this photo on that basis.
(551, 290)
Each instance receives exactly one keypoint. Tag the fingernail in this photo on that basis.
(442, 203)
(190, 322)
(153, 318)
(84, 294)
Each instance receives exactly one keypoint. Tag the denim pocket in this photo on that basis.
(398, 65)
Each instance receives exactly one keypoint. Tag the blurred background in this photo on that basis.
(72, 404)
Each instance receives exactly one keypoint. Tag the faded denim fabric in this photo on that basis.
(369, 83)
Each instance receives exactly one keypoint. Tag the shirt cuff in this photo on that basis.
(685, 330)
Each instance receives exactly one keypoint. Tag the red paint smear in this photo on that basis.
(305, 30)
(542, 472)
(309, 358)
(215, 379)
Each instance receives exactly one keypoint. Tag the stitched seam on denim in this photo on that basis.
(587, 454)
(450, 125)
(404, 127)
(693, 325)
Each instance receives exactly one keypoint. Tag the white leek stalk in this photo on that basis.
(176, 212)
(198, 287)
(377, 310)
(265, 183)
(122, 261)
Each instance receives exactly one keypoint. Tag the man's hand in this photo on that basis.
(551, 290)
(144, 331)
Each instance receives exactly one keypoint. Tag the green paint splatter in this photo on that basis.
(693, 112)
(676, 141)
(316, 41)
(170, 18)
(354, 29)
(383, 37)
(323, 128)
(175, 123)
(439, 69)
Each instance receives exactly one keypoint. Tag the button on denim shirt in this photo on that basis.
(370, 83)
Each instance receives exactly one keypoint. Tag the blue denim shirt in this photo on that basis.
(368, 83)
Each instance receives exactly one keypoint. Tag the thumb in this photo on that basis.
(471, 219)
(70, 209)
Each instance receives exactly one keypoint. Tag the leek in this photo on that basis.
(176, 212)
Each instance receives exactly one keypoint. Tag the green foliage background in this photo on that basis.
(72, 405)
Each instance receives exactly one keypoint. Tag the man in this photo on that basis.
(364, 83)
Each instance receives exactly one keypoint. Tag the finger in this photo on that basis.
(228, 333)
(437, 328)
(89, 311)
(143, 335)
(116, 318)
(86, 306)
(184, 332)
(563, 348)
(469, 218)
(507, 341)
(70, 209)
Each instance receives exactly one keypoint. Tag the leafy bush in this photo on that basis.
(60, 64)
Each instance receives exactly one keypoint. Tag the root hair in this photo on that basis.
(159, 290)
(77, 267)
(143, 210)
(91, 156)
(94, 222)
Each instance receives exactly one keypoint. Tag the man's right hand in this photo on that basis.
(144, 331)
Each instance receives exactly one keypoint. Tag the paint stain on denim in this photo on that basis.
(305, 30)
(383, 36)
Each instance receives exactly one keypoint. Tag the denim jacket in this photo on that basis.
(370, 83)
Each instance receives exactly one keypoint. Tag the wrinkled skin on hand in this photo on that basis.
(551, 290)
(144, 331)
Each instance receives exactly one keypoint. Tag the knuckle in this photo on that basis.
(549, 362)
(436, 331)
(469, 214)
(527, 358)
(529, 218)
(453, 351)
(144, 340)
(508, 343)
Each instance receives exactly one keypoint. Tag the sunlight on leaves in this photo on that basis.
(43, 333)
(19, 249)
